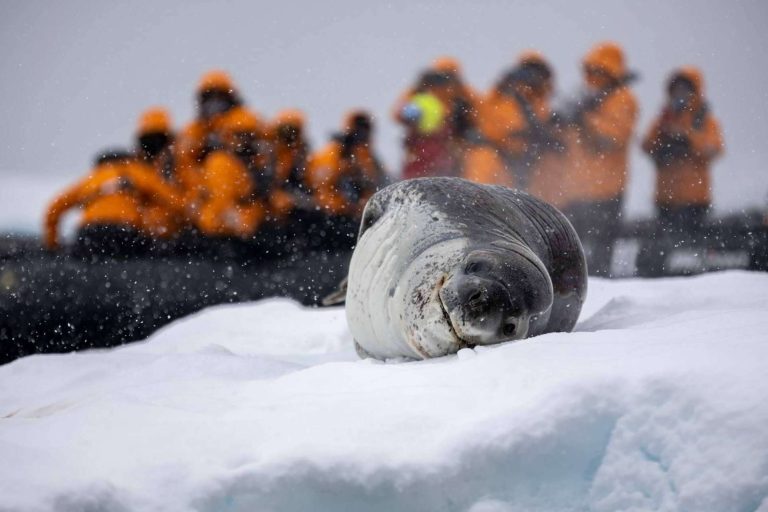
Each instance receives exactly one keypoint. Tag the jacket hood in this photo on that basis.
(353, 116)
(216, 79)
(609, 57)
(154, 120)
(291, 117)
(239, 120)
(532, 57)
(690, 74)
(447, 64)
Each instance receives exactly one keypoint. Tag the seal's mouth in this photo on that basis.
(447, 317)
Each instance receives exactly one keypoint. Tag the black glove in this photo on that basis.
(670, 149)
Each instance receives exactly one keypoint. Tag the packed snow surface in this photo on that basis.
(656, 402)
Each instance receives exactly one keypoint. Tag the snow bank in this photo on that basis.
(657, 402)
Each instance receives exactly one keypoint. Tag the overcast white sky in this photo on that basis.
(74, 75)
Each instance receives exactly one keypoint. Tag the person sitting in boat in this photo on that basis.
(216, 96)
(232, 202)
(113, 198)
(290, 194)
(154, 146)
(343, 175)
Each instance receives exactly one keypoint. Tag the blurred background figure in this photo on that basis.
(343, 175)
(154, 146)
(462, 103)
(290, 198)
(218, 102)
(516, 137)
(424, 115)
(682, 142)
(439, 114)
(154, 140)
(113, 197)
(216, 96)
(232, 204)
(598, 130)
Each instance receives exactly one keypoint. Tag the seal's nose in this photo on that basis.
(483, 311)
(474, 295)
(478, 295)
(478, 308)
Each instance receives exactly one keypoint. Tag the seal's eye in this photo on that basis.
(509, 329)
(475, 267)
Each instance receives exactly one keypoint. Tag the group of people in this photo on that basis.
(575, 158)
(231, 177)
(228, 180)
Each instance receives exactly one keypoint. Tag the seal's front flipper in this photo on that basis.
(374, 210)
(364, 354)
(337, 297)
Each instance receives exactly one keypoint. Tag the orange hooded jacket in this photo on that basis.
(326, 170)
(228, 207)
(200, 134)
(329, 169)
(290, 164)
(192, 140)
(505, 127)
(598, 147)
(114, 193)
(161, 220)
(684, 179)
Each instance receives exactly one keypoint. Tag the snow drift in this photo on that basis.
(656, 402)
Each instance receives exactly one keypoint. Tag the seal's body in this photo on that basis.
(443, 263)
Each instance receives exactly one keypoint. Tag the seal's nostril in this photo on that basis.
(509, 329)
(476, 296)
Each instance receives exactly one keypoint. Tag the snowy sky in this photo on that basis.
(76, 74)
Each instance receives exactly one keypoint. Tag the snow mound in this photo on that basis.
(656, 402)
(280, 328)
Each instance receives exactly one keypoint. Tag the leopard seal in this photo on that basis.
(443, 263)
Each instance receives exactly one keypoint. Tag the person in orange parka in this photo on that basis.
(231, 204)
(289, 190)
(154, 147)
(216, 96)
(112, 198)
(598, 131)
(344, 174)
(682, 142)
(518, 135)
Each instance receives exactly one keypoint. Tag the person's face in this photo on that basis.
(154, 143)
(289, 134)
(361, 131)
(536, 83)
(596, 77)
(681, 94)
(524, 89)
(214, 102)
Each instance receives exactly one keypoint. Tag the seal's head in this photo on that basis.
(494, 294)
